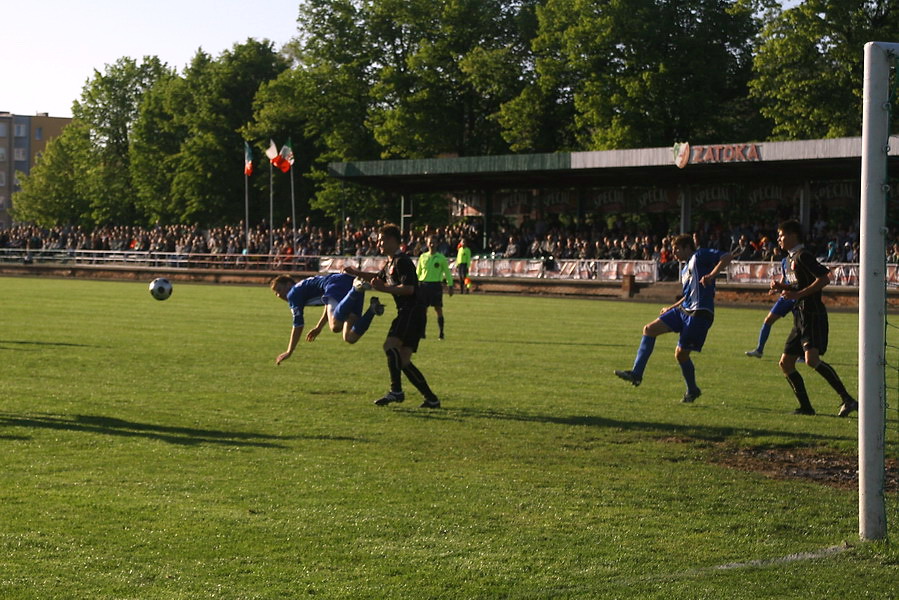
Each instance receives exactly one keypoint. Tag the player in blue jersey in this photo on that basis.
(691, 316)
(781, 308)
(343, 302)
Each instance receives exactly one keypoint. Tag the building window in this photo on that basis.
(19, 154)
(2, 201)
(39, 133)
(4, 130)
(2, 154)
(20, 130)
(2, 178)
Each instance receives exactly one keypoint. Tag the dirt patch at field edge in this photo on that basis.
(819, 465)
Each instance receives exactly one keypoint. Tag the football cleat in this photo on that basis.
(804, 411)
(630, 376)
(754, 353)
(376, 306)
(847, 407)
(691, 395)
(389, 398)
(431, 403)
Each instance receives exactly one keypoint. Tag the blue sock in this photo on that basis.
(362, 323)
(345, 307)
(643, 353)
(764, 332)
(689, 371)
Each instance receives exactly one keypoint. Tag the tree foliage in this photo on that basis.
(810, 64)
(376, 79)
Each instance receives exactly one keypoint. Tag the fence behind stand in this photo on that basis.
(763, 272)
(644, 271)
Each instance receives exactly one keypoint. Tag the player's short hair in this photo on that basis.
(791, 226)
(684, 240)
(391, 230)
(281, 280)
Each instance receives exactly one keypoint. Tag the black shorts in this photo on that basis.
(431, 293)
(809, 331)
(462, 271)
(409, 326)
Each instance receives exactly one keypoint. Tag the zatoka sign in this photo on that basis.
(684, 154)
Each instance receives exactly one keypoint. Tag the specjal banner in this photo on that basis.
(643, 271)
(765, 272)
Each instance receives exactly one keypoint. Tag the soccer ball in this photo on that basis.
(161, 288)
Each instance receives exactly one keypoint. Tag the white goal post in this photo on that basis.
(879, 56)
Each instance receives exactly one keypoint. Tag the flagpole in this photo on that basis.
(293, 212)
(271, 208)
(246, 205)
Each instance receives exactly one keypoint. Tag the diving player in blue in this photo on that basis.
(691, 316)
(781, 308)
(341, 298)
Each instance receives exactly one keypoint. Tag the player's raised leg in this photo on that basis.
(647, 344)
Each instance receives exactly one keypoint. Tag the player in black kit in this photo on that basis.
(398, 277)
(810, 326)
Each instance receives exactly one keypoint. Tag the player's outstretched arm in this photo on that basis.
(354, 272)
(295, 334)
(397, 290)
(817, 285)
(313, 333)
(725, 260)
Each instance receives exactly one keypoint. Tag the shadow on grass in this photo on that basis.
(662, 429)
(25, 343)
(546, 343)
(187, 436)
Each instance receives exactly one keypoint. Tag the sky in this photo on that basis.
(50, 48)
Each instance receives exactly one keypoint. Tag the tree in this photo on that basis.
(109, 106)
(84, 175)
(53, 193)
(435, 61)
(810, 64)
(188, 145)
(624, 74)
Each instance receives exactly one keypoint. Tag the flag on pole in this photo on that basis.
(285, 158)
(272, 151)
(247, 159)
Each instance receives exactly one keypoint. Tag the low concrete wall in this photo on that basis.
(661, 292)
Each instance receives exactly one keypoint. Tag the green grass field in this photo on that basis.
(153, 450)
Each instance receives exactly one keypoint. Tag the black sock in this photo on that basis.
(833, 379)
(798, 385)
(394, 365)
(418, 380)
(440, 324)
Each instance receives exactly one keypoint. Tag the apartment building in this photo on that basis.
(22, 139)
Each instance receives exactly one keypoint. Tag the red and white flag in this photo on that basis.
(285, 159)
(247, 159)
(272, 152)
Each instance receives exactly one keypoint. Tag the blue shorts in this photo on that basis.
(783, 307)
(336, 289)
(693, 328)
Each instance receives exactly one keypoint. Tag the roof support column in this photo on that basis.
(686, 210)
(805, 207)
(488, 217)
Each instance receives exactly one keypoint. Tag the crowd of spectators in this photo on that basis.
(534, 240)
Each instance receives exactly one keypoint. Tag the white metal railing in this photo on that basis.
(643, 271)
(171, 260)
(487, 266)
(845, 274)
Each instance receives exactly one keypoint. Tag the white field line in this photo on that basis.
(790, 558)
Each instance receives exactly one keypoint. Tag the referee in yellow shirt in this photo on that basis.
(433, 270)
